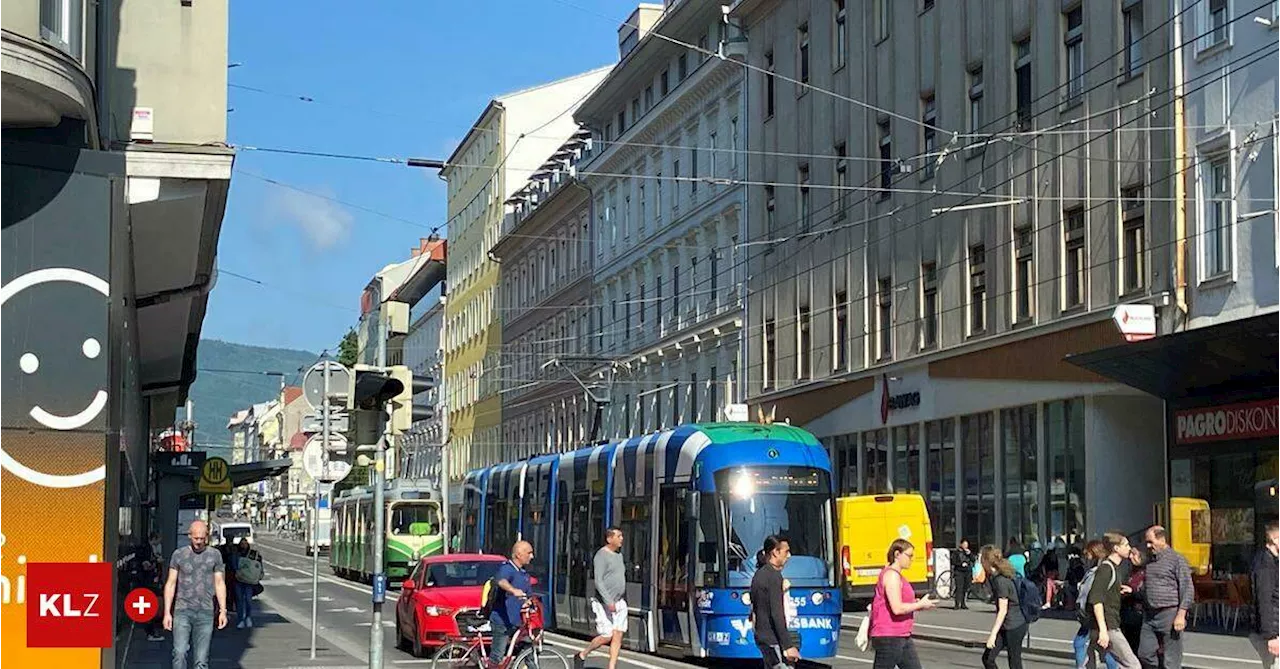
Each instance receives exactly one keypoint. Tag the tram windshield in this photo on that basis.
(418, 518)
(793, 502)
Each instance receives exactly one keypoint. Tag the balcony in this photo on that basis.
(46, 76)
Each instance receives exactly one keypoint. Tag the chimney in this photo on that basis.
(637, 26)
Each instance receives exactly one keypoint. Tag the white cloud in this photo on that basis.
(323, 222)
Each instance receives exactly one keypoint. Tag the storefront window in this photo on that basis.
(1236, 486)
(979, 479)
(1021, 475)
(906, 459)
(941, 480)
(1064, 438)
(844, 461)
(875, 454)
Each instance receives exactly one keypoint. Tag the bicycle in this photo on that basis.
(470, 652)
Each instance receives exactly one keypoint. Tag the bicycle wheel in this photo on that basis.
(454, 655)
(542, 656)
(942, 585)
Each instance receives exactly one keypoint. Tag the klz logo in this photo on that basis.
(68, 605)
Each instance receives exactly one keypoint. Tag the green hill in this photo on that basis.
(230, 377)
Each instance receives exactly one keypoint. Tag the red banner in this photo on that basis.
(1233, 421)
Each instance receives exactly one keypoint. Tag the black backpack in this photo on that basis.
(1029, 598)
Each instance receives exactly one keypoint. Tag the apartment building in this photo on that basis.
(961, 194)
(670, 124)
(1218, 371)
(116, 174)
(513, 136)
(544, 304)
(421, 446)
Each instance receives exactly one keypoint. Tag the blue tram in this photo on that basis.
(695, 504)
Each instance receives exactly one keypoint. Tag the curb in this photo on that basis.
(1026, 650)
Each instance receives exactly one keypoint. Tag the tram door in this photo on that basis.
(674, 561)
(564, 553)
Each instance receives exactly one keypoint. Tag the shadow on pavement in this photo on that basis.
(273, 642)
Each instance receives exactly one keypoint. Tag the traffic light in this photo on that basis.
(404, 412)
(372, 387)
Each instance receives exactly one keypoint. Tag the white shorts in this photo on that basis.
(607, 624)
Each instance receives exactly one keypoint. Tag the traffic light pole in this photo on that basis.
(379, 524)
(315, 517)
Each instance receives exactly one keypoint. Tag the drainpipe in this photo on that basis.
(1179, 171)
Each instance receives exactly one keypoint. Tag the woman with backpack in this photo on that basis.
(1094, 553)
(1010, 626)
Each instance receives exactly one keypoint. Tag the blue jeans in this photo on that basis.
(501, 637)
(244, 601)
(1081, 646)
(192, 630)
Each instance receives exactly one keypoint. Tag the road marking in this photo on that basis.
(863, 660)
(345, 609)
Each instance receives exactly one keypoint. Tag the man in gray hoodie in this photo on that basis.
(609, 605)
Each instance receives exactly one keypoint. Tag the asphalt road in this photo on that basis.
(344, 615)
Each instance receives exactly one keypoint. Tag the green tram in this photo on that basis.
(412, 532)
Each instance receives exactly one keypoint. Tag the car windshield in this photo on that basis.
(792, 502)
(232, 534)
(460, 574)
(405, 515)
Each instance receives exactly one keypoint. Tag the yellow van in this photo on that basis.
(867, 525)
(1190, 531)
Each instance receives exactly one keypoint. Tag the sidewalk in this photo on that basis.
(273, 643)
(1052, 637)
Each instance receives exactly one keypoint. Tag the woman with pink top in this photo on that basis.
(893, 611)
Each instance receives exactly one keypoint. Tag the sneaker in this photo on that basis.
(248, 622)
(578, 662)
(155, 637)
(240, 625)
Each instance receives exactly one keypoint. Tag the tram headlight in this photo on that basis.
(743, 486)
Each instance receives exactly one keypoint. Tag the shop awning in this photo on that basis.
(1230, 356)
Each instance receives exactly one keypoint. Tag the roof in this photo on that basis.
(464, 557)
(292, 393)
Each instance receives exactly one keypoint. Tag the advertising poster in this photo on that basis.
(55, 296)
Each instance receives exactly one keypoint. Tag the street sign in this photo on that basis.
(215, 477)
(183, 459)
(736, 413)
(318, 465)
(1136, 321)
(312, 423)
(313, 382)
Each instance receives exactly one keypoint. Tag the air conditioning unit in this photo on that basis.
(143, 126)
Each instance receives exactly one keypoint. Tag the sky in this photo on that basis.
(389, 78)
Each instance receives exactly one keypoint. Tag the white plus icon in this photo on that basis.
(142, 605)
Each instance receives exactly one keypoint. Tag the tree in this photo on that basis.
(349, 348)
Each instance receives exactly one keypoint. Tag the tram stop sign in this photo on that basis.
(313, 382)
(215, 477)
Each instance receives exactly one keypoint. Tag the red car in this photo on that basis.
(441, 600)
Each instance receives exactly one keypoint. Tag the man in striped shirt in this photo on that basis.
(1167, 596)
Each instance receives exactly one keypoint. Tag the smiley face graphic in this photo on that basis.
(29, 363)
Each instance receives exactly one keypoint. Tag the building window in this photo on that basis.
(635, 110)
(642, 303)
(770, 213)
(626, 218)
(1073, 258)
(648, 97)
(675, 175)
(842, 180)
(733, 143)
(840, 37)
(694, 391)
(622, 121)
(664, 82)
(884, 317)
(1024, 268)
(1217, 233)
(803, 200)
(693, 166)
(1022, 81)
(940, 479)
(1019, 456)
(804, 342)
(61, 24)
(640, 224)
(1133, 39)
(675, 402)
(929, 305)
(802, 56)
(713, 395)
(682, 67)
(906, 459)
(1134, 238)
(886, 160)
(712, 150)
(1073, 40)
(929, 125)
(840, 332)
(626, 334)
(770, 362)
(975, 103)
(675, 290)
(657, 196)
(769, 84)
(978, 472)
(1065, 451)
(977, 289)
(880, 14)
(1219, 23)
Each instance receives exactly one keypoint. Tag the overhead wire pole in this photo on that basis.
(315, 516)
